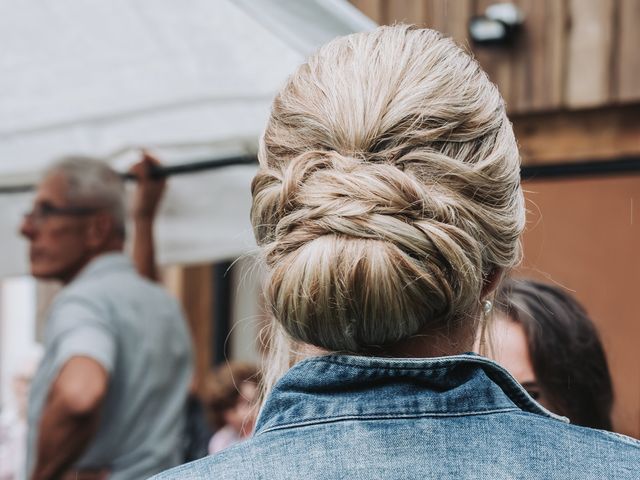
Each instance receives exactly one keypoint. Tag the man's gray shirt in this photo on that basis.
(137, 332)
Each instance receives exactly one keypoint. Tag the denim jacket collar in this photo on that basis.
(339, 387)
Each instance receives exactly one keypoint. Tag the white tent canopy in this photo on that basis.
(188, 80)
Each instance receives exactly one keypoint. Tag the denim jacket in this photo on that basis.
(459, 417)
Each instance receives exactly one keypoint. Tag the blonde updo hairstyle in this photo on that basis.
(388, 191)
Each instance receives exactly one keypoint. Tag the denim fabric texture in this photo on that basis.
(458, 417)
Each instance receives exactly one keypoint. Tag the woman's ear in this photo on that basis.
(491, 281)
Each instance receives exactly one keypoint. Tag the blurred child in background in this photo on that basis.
(231, 403)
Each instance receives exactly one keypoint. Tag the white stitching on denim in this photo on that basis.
(390, 416)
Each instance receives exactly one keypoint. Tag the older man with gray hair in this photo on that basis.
(108, 398)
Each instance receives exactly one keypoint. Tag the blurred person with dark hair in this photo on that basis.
(232, 394)
(108, 399)
(545, 338)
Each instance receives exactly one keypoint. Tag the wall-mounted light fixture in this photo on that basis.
(498, 26)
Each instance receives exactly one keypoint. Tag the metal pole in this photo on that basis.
(597, 168)
(163, 171)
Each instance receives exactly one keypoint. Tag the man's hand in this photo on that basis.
(147, 197)
(149, 191)
(70, 417)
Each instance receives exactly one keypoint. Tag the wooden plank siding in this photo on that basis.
(627, 60)
(570, 54)
(530, 72)
(583, 235)
(193, 286)
(589, 53)
(605, 133)
(537, 70)
(450, 18)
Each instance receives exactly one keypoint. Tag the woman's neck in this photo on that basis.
(420, 345)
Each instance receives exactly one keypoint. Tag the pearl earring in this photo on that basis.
(487, 306)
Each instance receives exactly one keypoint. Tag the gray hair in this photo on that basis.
(93, 183)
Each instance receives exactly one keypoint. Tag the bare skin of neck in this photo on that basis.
(114, 245)
(421, 345)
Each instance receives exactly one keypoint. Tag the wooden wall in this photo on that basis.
(584, 235)
(565, 136)
(570, 54)
(193, 286)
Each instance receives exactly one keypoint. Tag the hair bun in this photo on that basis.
(386, 190)
(362, 217)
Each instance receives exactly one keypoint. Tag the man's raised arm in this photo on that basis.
(147, 197)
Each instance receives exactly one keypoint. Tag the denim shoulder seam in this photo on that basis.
(618, 436)
(390, 416)
(405, 365)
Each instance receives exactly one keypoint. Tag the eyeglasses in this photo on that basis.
(43, 211)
